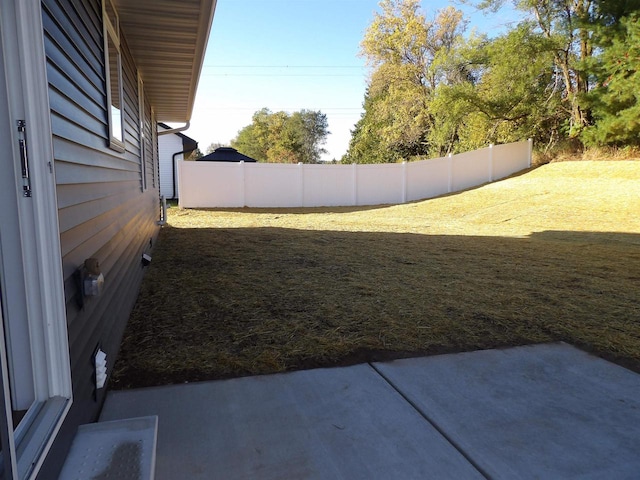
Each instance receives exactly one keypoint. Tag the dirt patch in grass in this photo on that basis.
(553, 254)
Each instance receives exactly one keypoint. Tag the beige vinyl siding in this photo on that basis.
(103, 210)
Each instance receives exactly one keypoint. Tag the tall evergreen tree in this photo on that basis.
(615, 101)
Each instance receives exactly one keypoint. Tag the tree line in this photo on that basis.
(284, 137)
(279, 137)
(567, 74)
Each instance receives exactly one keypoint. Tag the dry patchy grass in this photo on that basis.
(553, 254)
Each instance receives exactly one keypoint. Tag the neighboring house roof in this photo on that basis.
(188, 143)
(226, 154)
(168, 40)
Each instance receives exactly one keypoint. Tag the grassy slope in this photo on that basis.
(553, 254)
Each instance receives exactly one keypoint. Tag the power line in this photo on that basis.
(278, 75)
(285, 66)
(285, 70)
(337, 110)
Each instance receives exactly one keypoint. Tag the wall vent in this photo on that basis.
(101, 368)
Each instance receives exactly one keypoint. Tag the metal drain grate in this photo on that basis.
(120, 449)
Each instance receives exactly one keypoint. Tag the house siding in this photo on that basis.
(105, 208)
(167, 146)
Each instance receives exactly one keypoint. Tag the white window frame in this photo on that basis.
(111, 33)
(143, 144)
(25, 448)
(155, 170)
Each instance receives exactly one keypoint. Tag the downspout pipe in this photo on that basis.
(173, 169)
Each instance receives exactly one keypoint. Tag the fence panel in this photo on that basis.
(272, 185)
(328, 185)
(470, 169)
(427, 178)
(217, 184)
(510, 158)
(209, 184)
(379, 183)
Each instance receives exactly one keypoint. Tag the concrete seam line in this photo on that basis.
(433, 424)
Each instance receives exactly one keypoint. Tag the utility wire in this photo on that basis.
(330, 111)
(277, 75)
(285, 66)
(287, 73)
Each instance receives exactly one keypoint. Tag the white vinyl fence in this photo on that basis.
(222, 184)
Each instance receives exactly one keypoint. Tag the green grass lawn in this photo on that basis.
(553, 254)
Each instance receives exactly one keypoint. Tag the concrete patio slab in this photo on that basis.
(341, 423)
(546, 411)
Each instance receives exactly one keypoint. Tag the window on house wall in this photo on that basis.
(143, 147)
(154, 145)
(113, 66)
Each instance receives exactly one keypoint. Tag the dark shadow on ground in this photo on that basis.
(298, 210)
(221, 303)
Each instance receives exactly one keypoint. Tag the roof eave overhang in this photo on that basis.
(168, 39)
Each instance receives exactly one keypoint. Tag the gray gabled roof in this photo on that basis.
(226, 154)
(168, 40)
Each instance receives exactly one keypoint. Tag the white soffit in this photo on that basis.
(168, 39)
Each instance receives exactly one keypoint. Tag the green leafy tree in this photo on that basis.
(511, 99)
(410, 58)
(282, 143)
(312, 127)
(366, 145)
(566, 24)
(568, 71)
(254, 139)
(247, 142)
(281, 137)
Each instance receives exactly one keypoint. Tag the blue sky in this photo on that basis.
(291, 55)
